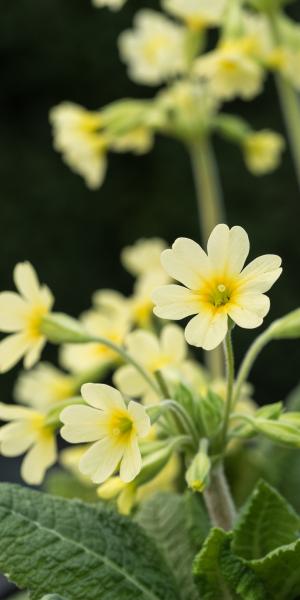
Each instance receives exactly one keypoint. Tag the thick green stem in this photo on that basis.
(248, 362)
(218, 500)
(229, 358)
(210, 211)
(289, 101)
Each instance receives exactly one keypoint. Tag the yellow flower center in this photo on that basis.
(220, 295)
(154, 46)
(120, 425)
(34, 320)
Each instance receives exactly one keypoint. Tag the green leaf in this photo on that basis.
(266, 523)
(221, 574)
(81, 551)
(280, 572)
(169, 519)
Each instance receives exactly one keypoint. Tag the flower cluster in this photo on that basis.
(166, 411)
(170, 48)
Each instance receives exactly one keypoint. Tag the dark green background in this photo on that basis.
(55, 50)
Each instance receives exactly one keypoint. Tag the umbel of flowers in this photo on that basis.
(164, 406)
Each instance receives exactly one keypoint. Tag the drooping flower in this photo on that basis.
(216, 286)
(86, 357)
(129, 495)
(112, 4)
(44, 386)
(197, 14)
(232, 70)
(154, 354)
(143, 257)
(154, 50)
(78, 137)
(115, 429)
(262, 151)
(22, 314)
(27, 432)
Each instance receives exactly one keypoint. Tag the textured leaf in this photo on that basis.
(221, 574)
(179, 525)
(266, 523)
(83, 552)
(280, 572)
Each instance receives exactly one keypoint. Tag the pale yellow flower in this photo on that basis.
(44, 386)
(231, 70)
(114, 427)
(143, 257)
(22, 314)
(154, 49)
(139, 141)
(262, 151)
(28, 432)
(141, 303)
(154, 354)
(197, 14)
(216, 286)
(111, 303)
(112, 4)
(84, 357)
(78, 137)
(286, 61)
(70, 458)
(129, 495)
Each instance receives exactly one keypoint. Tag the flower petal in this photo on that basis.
(261, 273)
(12, 349)
(173, 343)
(250, 311)
(131, 462)
(12, 310)
(16, 438)
(228, 249)
(101, 460)
(39, 458)
(175, 302)
(130, 381)
(143, 346)
(34, 353)
(10, 412)
(186, 262)
(102, 396)
(81, 424)
(140, 418)
(26, 281)
(207, 330)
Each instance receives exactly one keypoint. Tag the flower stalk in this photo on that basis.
(219, 501)
(210, 211)
(229, 360)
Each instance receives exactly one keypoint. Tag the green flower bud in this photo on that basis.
(197, 475)
(59, 328)
(287, 327)
(270, 411)
(154, 462)
(281, 431)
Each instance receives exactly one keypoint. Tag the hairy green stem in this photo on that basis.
(289, 101)
(185, 419)
(210, 211)
(218, 500)
(229, 359)
(248, 362)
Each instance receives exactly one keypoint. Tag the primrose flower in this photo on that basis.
(154, 50)
(22, 315)
(44, 386)
(143, 257)
(231, 71)
(141, 303)
(129, 495)
(216, 286)
(115, 429)
(87, 357)
(112, 4)
(286, 61)
(155, 355)
(197, 14)
(77, 136)
(262, 151)
(27, 431)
